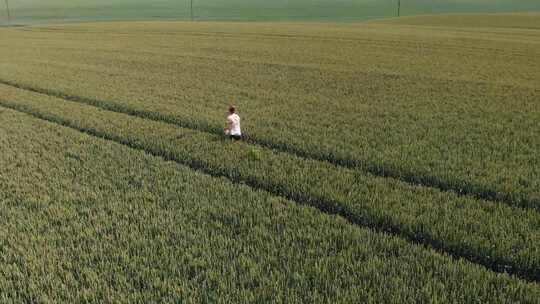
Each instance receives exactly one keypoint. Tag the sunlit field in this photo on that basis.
(390, 161)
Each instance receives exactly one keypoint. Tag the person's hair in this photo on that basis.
(232, 109)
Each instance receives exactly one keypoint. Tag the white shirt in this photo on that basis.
(234, 124)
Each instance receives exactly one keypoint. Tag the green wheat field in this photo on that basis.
(386, 161)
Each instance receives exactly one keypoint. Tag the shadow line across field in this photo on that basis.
(459, 187)
(325, 206)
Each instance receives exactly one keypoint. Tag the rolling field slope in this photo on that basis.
(499, 21)
(389, 161)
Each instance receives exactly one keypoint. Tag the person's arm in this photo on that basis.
(229, 125)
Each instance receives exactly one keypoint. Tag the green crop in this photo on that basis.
(493, 234)
(88, 220)
(452, 109)
(389, 161)
(51, 11)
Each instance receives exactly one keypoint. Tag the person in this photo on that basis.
(233, 124)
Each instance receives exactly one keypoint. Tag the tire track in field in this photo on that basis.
(324, 206)
(456, 186)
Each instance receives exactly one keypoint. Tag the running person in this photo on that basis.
(233, 124)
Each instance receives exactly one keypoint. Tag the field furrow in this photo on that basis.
(492, 234)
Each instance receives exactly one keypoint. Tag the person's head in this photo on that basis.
(232, 109)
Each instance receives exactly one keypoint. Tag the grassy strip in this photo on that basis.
(494, 235)
(458, 186)
(88, 220)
